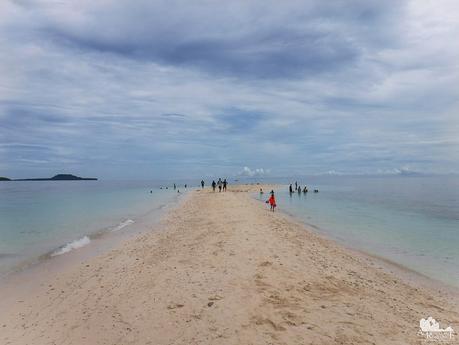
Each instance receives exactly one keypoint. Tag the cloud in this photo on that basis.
(174, 88)
(257, 40)
(258, 172)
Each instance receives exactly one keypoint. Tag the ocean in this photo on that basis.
(42, 219)
(409, 220)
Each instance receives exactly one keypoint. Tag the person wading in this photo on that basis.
(272, 201)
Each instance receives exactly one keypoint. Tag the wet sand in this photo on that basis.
(223, 269)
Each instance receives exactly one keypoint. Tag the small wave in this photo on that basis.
(72, 245)
(123, 225)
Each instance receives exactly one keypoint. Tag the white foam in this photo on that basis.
(72, 245)
(123, 225)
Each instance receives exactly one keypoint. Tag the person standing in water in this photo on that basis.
(272, 201)
(175, 186)
(214, 185)
(290, 188)
(202, 183)
(224, 185)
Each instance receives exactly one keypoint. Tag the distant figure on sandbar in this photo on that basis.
(214, 185)
(219, 184)
(296, 185)
(175, 186)
(224, 185)
(185, 186)
(290, 188)
(299, 189)
(202, 183)
(272, 201)
(261, 191)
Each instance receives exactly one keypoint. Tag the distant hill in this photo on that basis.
(69, 177)
(59, 177)
(4, 178)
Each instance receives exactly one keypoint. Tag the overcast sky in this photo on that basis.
(155, 89)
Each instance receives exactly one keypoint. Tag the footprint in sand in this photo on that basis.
(175, 306)
(260, 321)
(265, 264)
(215, 298)
(219, 244)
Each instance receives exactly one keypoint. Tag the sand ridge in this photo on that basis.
(225, 270)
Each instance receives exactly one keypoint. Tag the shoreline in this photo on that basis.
(103, 241)
(402, 269)
(391, 266)
(246, 275)
(100, 241)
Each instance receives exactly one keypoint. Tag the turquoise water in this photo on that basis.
(413, 221)
(55, 217)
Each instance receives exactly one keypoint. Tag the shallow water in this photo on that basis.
(56, 217)
(413, 221)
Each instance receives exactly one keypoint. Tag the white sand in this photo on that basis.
(224, 270)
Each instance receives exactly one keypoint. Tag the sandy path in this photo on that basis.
(224, 270)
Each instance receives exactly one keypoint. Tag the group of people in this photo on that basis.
(175, 188)
(299, 190)
(220, 184)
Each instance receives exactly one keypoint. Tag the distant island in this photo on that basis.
(59, 177)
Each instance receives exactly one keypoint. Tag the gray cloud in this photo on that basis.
(175, 87)
(257, 40)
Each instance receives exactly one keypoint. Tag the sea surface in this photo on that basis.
(410, 220)
(40, 219)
